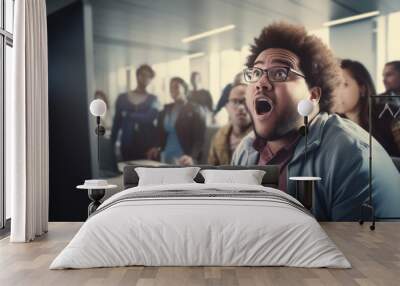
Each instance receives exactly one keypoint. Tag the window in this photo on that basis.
(6, 63)
(9, 12)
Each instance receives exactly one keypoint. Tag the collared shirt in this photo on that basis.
(281, 158)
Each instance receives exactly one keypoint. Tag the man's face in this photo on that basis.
(236, 107)
(144, 77)
(273, 106)
(391, 78)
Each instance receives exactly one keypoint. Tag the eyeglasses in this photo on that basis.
(274, 74)
(237, 102)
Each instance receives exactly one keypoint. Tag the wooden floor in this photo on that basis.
(375, 257)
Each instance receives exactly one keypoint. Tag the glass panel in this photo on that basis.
(8, 86)
(9, 9)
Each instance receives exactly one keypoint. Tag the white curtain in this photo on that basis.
(27, 148)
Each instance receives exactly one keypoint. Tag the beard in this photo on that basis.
(283, 126)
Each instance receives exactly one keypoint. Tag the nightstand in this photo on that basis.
(305, 187)
(95, 193)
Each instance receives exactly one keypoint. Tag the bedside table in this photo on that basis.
(305, 187)
(95, 193)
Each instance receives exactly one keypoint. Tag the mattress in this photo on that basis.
(201, 225)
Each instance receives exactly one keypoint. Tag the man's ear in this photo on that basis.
(315, 94)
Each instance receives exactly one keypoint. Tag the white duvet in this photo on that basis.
(200, 231)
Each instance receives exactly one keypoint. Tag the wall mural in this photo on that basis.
(263, 125)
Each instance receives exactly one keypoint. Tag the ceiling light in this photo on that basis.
(208, 33)
(351, 19)
(195, 55)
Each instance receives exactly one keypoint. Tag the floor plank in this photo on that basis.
(374, 255)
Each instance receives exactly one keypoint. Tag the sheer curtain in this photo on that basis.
(27, 148)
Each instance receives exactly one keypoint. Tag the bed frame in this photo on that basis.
(270, 179)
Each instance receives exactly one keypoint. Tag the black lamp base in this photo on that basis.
(100, 130)
(371, 208)
(95, 195)
(305, 193)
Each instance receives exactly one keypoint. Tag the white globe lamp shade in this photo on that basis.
(98, 107)
(305, 107)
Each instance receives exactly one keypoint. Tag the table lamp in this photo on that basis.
(304, 108)
(97, 187)
(98, 108)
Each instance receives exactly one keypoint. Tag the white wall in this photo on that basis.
(201, 65)
(388, 44)
(356, 41)
(372, 41)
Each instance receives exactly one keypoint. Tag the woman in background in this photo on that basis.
(351, 101)
(135, 118)
(181, 128)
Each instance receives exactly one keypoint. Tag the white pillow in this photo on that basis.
(248, 177)
(163, 176)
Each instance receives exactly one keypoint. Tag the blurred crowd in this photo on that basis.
(286, 66)
(176, 133)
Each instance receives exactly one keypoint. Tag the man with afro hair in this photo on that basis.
(287, 65)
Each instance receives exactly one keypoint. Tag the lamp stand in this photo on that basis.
(368, 204)
(306, 135)
(100, 131)
(304, 132)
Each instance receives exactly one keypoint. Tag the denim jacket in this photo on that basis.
(338, 152)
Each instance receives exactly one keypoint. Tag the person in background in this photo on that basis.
(228, 137)
(351, 101)
(181, 128)
(199, 95)
(391, 78)
(135, 118)
(223, 100)
(287, 65)
(351, 98)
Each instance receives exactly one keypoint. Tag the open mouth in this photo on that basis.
(263, 106)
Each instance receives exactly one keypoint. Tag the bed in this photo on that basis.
(199, 224)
